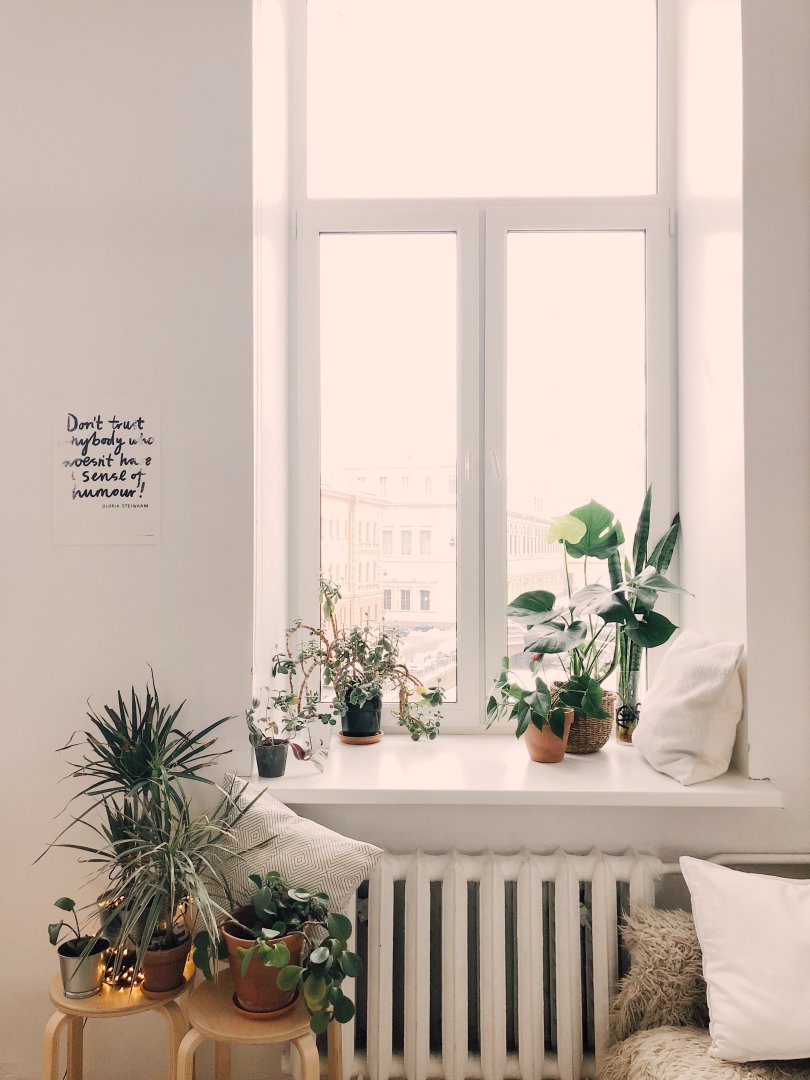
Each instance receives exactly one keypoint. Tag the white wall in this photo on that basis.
(125, 266)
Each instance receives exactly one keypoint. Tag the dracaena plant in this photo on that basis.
(595, 629)
(278, 910)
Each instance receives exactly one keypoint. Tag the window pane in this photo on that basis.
(388, 338)
(415, 98)
(576, 426)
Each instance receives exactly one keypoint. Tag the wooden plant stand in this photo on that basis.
(71, 1013)
(212, 1016)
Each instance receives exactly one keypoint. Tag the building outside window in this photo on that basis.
(424, 600)
(424, 541)
(386, 599)
(387, 541)
(405, 541)
(405, 599)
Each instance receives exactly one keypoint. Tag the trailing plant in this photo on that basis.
(535, 704)
(280, 910)
(359, 663)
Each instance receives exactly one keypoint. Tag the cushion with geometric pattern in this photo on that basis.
(271, 836)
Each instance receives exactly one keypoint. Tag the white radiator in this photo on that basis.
(499, 967)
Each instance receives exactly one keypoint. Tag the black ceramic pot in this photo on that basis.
(271, 758)
(361, 721)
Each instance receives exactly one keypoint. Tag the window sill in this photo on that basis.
(459, 770)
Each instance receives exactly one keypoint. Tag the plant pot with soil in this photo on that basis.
(287, 942)
(82, 957)
(164, 961)
(361, 721)
(271, 757)
(539, 714)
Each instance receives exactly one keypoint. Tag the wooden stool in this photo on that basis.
(72, 1012)
(212, 1016)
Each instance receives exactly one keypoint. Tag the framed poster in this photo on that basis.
(106, 471)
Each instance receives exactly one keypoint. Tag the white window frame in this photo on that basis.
(481, 227)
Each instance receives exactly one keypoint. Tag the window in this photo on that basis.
(447, 262)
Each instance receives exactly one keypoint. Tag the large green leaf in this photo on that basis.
(555, 639)
(663, 551)
(532, 605)
(653, 629)
(642, 533)
(649, 578)
(610, 606)
(566, 527)
(338, 926)
(603, 532)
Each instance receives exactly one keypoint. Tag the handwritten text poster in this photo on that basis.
(106, 471)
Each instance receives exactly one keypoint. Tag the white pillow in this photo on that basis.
(754, 932)
(305, 853)
(690, 714)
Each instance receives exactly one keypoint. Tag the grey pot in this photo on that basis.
(83, 976)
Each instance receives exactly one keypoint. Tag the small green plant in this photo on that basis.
(280, 910)
(76, 942)
(533, 704)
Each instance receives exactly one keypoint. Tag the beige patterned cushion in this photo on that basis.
(304, 853)
(665, 983)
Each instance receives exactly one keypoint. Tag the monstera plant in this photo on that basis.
(598, 627)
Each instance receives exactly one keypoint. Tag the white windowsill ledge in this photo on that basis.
(490, 771)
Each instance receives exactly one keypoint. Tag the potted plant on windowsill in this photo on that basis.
(586, 631)
(359, 664)
(539, 714)
(286, 941)
(82, 957)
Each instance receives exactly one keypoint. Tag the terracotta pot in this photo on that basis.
(163, 968)
(545, 745)
(257, 991)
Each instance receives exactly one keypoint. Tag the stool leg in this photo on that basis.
(334, 1042)
(50, 1046)
(222, 1061)
(185, 1055)
(176, 1022)
(75, 1048)
(308, 1054)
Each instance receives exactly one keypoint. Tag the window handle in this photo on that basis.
(496, 465)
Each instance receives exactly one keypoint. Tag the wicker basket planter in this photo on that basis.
(589, 734)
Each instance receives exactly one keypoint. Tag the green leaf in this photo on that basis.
(566, 527)
(319, 1022)
(531, 604)
(65, 903)
(319, 955)
(603, 532)
(351, 964)
(343, 1010)
(651, 579)
(338, 926)
(522, 724)
(642, 533)
(556, 721)
(663, 551)
(278, 955)
(598, 600)
(315, 988)
(245, 956)
(53, 931)
(555, 639)
(288, 977)
(653, 629)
